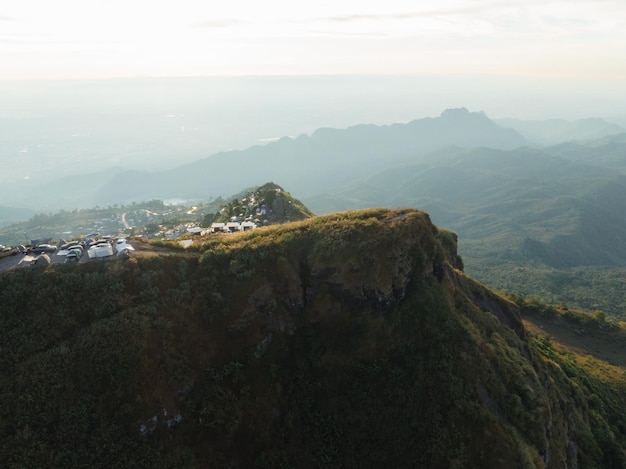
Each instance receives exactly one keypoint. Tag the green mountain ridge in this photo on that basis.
(347, 340)
(522, 210)
(607, 151)
(557, 131)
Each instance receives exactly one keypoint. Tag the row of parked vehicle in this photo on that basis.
(74, 250)
(5, 252)
(20, 249)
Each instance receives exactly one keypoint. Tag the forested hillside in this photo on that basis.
(347, 340)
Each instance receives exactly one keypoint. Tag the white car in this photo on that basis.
(121, 246)
(100, 250)
(5, 252)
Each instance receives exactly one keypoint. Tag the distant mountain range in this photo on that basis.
(555, 131)
(326, 160)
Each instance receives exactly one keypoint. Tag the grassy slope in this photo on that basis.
(588, 352)
(347, 340)
(580, 332)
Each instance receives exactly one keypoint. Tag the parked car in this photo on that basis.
(122, 247)
(43, 248)
(76, 251)
(70, 245)
(73, 256)
(100, 250)
(5, 252)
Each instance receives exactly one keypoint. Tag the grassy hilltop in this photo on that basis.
(347, 340)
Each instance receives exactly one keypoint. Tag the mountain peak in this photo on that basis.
(268, 204)
(460, 113)
(456, 111)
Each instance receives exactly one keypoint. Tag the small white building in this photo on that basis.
(247, 226)
(218, 228)
(233, 226)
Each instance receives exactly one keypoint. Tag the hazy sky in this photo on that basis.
(583, 39)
